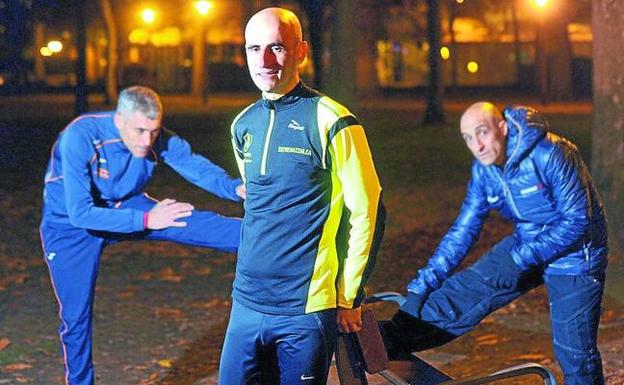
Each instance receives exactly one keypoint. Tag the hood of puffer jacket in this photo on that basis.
(526, 127)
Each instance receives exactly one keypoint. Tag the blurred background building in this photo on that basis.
(186, 46)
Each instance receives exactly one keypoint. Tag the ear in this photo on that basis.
(502, 125)
(118, 120)
(303, 51)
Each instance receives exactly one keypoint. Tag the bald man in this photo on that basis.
(538, 181)
(313, 218)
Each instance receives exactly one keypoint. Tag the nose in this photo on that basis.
(478, 145)
(145, 139)
(266, 59)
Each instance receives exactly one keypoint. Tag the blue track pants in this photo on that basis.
(269, 349)
(468, 296)
(73, 256)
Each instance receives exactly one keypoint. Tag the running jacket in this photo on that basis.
(546, 190)
(313, 214)
(91, 172)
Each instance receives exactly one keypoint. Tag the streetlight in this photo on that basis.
(148, 15)
(55, 46)
(203, 7)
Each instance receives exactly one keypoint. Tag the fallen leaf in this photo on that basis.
(166, 363)
(4, 342)
(16, 367)
(203, 271)
(532, 357)
(168, 312)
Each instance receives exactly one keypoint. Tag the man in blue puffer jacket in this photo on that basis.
(537, 180)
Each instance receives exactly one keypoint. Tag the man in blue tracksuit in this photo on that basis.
(93, 196)
(537, 180)
(313, 218)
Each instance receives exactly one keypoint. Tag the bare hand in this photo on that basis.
(241, 191)
(349, 320)
(165, 213)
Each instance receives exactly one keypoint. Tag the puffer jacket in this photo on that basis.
(546, 190)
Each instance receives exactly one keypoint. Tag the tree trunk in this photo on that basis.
(554, 56)
(81, 105)
(314, 12)
(434, 113)
(111, 53)
(608, 130)
(341, 79)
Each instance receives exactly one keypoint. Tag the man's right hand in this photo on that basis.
(165, 213)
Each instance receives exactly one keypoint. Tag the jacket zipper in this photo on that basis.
(267, 142)
(507, 191)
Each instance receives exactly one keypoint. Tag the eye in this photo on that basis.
(278, 49)
(253, 49)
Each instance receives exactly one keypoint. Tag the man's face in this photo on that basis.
(138, 132)
(273, 55)
(485, 138)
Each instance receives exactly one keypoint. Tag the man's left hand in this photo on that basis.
(349, 320)
(241, 191)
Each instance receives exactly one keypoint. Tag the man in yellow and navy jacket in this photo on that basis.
(313, 218)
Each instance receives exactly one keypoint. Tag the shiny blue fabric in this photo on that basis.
(546, 190)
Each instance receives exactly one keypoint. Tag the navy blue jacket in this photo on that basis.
(546, 190)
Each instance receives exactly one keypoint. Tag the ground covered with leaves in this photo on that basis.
(161, 309)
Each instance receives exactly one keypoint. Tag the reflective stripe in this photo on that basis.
(267, 141)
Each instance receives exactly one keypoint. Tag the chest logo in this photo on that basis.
(294, 125)
(492, 199)
(247, 139)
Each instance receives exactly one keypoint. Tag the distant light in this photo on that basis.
(188, 63)
(541, 3)
(45, 51)
(203, 6)
(55, 46)
(459, 1)
(138, 36)
(472, 67)
(2, 81)
(133, 55)
(66, 35)
(445, 53)
(148, 15)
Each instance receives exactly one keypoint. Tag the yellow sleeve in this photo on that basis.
(352, 162)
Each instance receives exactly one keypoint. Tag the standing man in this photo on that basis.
(93, 196)
(313, 218)
(537, 180)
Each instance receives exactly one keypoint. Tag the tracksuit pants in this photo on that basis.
(270, 349)
(468, 296)
(73, 256)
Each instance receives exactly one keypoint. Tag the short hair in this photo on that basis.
(142, 99)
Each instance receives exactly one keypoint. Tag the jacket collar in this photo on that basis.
(300, 92)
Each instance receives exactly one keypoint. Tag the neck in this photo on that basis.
(276, 95)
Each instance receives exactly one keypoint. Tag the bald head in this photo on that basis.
(485, 131)
(270, 18)
(275, 50)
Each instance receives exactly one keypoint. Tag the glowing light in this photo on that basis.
(472, 67)
(55, 46)
(45, 51)
(459, 1)
(133, 55)
(138, 36)
(203, 7)
(445, 53)
(2, 81)
(541, 3)
(148, 15)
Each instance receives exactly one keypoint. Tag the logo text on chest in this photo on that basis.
(295, 150)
